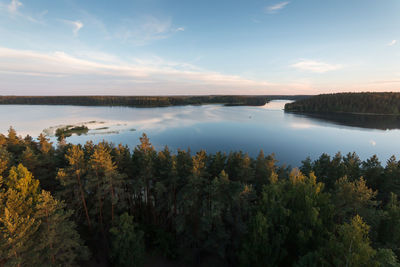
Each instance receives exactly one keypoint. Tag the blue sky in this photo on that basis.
(160, 47)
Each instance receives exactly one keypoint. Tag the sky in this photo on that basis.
(192, 47)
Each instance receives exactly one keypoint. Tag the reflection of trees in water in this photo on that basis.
(381, 122)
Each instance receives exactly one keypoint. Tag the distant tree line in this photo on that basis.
(145, 101)
(134, 101)
(373, 103)
(101, 204)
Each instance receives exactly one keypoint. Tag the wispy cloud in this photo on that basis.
(160, 73)
(146, 29)
(392, 43)
(14, 5)
(315, 66)
(275, 8)
(76, 25)
(14, 10)
(180, 29)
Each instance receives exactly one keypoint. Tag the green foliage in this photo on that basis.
(69, 130)
(60, 244)
(35, 230)
(293, 218)
(135, 101)
(353, 198)
(127, 247)
(376, 103)
(351, 246)
(389, 228)
(197, 208)
(71, 179)
(386, 258)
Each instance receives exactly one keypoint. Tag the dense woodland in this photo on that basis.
(372, 103)
(100, 204)
(143, 101)
(134, 101)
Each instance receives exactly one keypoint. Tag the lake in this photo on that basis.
(292, 137)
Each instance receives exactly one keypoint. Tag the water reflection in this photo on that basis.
(379, 122)
(292, 137)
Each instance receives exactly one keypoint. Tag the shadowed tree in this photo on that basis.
(144, 157)
(126, 242)
(353, 198)
(60, 244)
(351, 246)
(105, 183)
(372, 172)
(72, 179)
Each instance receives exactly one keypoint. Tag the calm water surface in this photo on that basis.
(211, 127)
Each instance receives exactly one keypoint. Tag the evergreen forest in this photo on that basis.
(108, 205)
(146, 101)
(387, 103)
(134, 101)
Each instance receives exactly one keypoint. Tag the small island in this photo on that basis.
(387, 103)
(69, 130)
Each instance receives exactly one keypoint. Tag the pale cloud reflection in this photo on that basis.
(276, 104)
(301, 125)
(179, 117)
(35, 120)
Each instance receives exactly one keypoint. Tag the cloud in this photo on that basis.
(13, 10)
(146, 29)
(315, 66)
(275, 8)
(173, 77)
(180, 29)
(76, 25)
(392, 43)
(13, 6)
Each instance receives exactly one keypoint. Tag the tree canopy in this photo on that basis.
(369, 103)
(102, 204)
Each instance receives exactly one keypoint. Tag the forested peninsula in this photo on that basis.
(363, 103)
(107, 205)
(142, 101)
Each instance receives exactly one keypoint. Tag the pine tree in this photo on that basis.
(14, 143)
(60, 244)
(45, 147)
(72, 179)
(104, 182)
(264, 167)
(144, 159)
(5, 160)
(29, 159)
(353, 198)
(17, 221)
(35, 229)
(351, 246)
(127, 242)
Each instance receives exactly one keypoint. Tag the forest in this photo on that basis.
(144, 101)
(108, 205)
(366, 103)
(134, 101)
